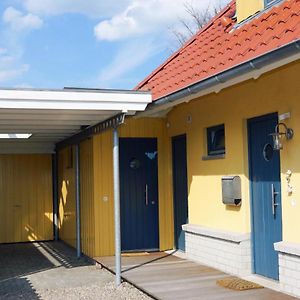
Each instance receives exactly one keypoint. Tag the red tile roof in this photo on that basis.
(215, 48)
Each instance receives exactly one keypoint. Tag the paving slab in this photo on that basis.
(168, 277)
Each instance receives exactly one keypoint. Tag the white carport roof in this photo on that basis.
(54, 115)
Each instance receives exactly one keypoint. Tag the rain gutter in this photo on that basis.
(258, 63)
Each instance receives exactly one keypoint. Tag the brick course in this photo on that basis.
(233, 257)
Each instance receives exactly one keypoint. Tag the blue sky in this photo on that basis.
(86, 43)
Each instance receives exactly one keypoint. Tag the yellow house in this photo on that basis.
(210, 167)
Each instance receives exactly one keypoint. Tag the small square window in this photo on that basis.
(216, 140)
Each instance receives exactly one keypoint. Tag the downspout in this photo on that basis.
(55, 194)
(77, 199)
(117, 218)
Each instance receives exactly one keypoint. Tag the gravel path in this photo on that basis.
(100, 290)
(108, 292)
(47, 271)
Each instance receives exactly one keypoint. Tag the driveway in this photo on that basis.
(51, 270)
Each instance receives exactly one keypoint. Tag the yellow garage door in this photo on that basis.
(26, 206)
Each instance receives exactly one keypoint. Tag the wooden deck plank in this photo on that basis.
(168, 277)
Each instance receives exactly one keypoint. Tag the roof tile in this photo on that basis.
(214, 49)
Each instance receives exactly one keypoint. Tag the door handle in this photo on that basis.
(146, 195)
(274, 204)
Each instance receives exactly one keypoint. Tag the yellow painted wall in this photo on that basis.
(247, 8)
(26, 203)
(274, 92)
(87, 207)
(66, 196)
(104, 226)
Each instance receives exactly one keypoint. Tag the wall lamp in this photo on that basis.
(288, 133)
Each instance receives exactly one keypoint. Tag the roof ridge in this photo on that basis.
(186, 44)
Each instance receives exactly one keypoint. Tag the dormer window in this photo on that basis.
(245, 9)
(268, 2)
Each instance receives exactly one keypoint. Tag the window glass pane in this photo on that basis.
(267, 2)
(216, 140)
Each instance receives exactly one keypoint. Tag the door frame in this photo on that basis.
(250, 172)
(184, 135)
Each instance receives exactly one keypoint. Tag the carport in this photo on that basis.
(34, 124)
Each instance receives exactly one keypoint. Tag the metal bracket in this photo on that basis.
(113, 122)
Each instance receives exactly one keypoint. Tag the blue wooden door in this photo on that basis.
(180, 189)
(264, 166)
(139, 194)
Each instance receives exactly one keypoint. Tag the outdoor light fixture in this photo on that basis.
(15, 135)
(277, 136)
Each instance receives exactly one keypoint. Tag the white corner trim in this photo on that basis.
(234, 237)
(288, 248)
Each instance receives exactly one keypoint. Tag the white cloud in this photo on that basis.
(10, 65)
(19, 21)
(128, 58)
(12, 73)
(92, 8)
(119, 27)
(142, 17)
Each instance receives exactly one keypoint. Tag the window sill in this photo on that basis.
(213, 157)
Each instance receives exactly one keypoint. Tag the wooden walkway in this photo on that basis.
(168, 277)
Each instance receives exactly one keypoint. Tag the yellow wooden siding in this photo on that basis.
(87, 198)
(103, 178)
(104, 214)
(277, 91)
(26, 203)
(66, 194)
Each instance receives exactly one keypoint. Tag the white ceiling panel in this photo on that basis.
(54, 115)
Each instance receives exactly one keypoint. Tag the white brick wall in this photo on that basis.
(233, 257)
(289, 273)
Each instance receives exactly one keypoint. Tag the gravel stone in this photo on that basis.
(51, 270)
(106, 291)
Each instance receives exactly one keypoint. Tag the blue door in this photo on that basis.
(264, 166)
(180, 189)
(139, 194)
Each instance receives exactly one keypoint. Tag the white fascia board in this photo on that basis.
(71, 105)
(76, 100)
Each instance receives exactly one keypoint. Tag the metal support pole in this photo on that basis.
(55, 196)
(117, 205)
(77, 197)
